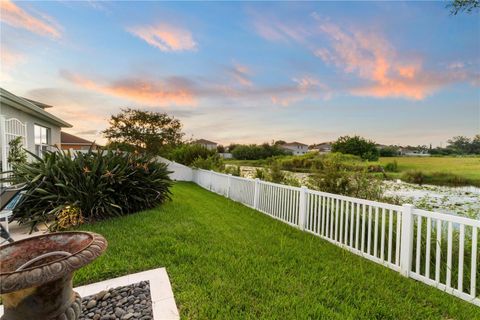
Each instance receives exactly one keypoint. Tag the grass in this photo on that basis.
(227, 261)
(450, 171)
(440, 170)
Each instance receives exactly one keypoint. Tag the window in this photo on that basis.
(42, 139)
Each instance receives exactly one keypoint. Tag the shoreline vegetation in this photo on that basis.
(449, 171)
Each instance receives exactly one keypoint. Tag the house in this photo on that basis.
(71, 142)
(324, 147)
(20, 117)
(414, 152)
(210, 145)
(296, 148)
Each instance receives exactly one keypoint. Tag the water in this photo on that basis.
(453, 200)
(463, 201)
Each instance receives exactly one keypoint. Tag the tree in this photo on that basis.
(459, 144)
(388, 151)
(279, 143)
(151, 132)
(220, 149)
(475, 145)
(356, 145)
(467, 6)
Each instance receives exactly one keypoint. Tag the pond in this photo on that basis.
(463, 201)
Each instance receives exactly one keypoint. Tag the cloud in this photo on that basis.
(187, 92)
(241, 74)
(171, 91)
(9, 59)
(387, 73)
(376, 67)
(273, 29)
(165, 37)
(16, 17)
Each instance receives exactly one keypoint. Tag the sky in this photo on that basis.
(405, 73)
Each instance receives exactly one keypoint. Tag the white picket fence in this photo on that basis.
(403, 238)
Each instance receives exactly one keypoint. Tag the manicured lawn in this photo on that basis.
(226, 261)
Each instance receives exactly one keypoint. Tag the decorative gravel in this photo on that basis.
(123, 303)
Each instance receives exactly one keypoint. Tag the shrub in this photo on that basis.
(255, 152)
(260, 173)
(414, 176)
(233, 170)
(392, 166)
(99, 184)
(337, 178)
(16, 154)
(213, 162)
(276, 174)
(188, 153)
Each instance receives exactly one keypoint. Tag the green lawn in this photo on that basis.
(226, 261)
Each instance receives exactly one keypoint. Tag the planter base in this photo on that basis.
(51, 301)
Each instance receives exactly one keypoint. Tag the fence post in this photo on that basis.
(256, 193)
(229, 181)
(406, 240)
(211, 180)
(302, 212)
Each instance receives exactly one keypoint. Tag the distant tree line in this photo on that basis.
(459, 145)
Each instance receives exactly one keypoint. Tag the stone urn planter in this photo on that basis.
(36, 274)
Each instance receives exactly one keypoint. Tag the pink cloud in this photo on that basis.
(374, 59)
(165, 37)
(16, 17)
(241, 74)
(150, 92)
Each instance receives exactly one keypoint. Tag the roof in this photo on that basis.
(29, 107)
(203, 141)
(321, 145)
(39, 104)
(67, 138)
(294, 143)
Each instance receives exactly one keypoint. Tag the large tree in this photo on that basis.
(358, 146)
(152, 132)
(460, 145)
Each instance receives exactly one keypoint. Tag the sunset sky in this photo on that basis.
(395, 72)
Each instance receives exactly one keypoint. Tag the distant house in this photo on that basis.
(296, 148)
(27, 119)
(324, 147)
(413, 152)
(71, 142)
(210, 145)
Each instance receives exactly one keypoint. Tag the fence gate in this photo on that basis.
(9, 130)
